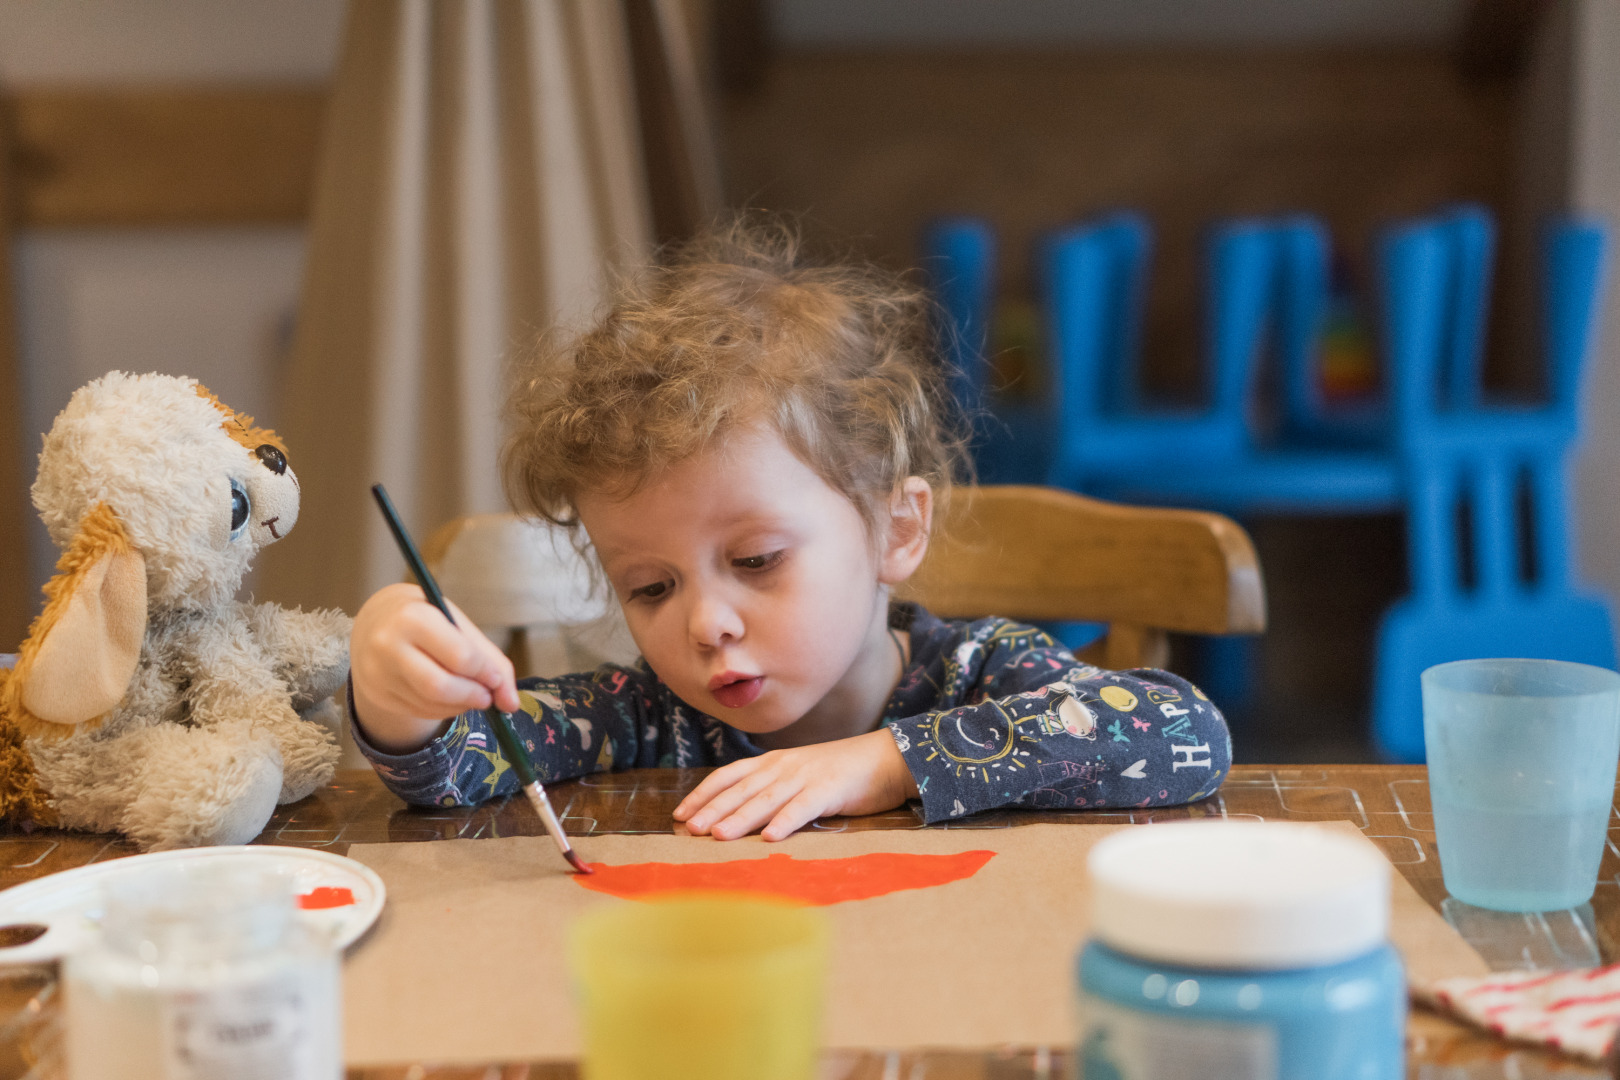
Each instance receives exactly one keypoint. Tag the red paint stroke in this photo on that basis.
(817, 882)
(327, 896)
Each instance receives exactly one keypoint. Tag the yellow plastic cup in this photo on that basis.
(703, 987)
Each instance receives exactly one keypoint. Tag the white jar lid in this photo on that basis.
(1233, 894)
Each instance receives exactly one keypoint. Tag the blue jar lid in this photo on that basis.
(1239, 895)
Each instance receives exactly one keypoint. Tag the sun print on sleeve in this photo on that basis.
(995, 735)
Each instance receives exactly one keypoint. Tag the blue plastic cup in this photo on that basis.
(1522, 758)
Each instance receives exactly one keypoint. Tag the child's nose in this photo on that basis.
(713, 619)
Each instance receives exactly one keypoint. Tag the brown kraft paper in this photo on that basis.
(468, 962)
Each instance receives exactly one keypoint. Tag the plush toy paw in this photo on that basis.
(309, 755)
(310, 649)
(201, 787)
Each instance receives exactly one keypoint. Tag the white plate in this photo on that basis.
(69, 904)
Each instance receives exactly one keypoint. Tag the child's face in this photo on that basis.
(750, 585)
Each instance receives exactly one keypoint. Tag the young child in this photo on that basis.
(755, 448)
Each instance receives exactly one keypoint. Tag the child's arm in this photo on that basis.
(1033, 726)
(1037, 729)
(1074, 736)
(570, 726)
(611, 718)
(417, 693)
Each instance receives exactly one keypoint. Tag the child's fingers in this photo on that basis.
(800, 811)
(494, 667)
(447, 644)
(729, 800)
(755, 812)
(443, 692)
(723, 805)
(412, 668)
(712, 785)
(461, 649)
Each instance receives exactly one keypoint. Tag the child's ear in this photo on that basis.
(911, 512)
(83, 649)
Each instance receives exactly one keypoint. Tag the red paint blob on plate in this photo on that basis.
(327, 896)
(817, 882)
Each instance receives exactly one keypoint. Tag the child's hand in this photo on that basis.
(412, 670)
(791, 788)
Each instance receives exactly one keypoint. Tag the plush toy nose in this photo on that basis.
(273, 459)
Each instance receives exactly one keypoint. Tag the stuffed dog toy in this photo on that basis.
(146, 699)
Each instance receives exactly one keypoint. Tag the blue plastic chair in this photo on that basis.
(1215, 458)
(1455, 448)
(1094, 279)
(1128, 240)
(1333, 458)
(1008, 439)
(1304, 250)
(1095, 284)
(959, 256)
(1109, 446)
(1266, 280)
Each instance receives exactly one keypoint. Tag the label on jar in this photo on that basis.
(1122, 1044)
(253, 1031)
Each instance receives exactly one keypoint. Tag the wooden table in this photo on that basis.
(1390, 803)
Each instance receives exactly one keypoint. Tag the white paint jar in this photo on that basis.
(200, 974)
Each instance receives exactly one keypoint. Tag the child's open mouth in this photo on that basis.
(734, 691)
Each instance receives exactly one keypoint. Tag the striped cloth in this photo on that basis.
(1575, 1012)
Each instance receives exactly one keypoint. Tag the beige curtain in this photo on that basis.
(483, 172)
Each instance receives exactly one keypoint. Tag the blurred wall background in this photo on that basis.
(865, 118)
(215, 301)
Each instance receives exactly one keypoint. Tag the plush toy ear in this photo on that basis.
(82, 650)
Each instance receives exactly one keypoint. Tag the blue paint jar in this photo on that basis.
(1239, 951)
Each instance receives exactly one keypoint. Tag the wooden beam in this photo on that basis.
(163, 156)
(16, 600)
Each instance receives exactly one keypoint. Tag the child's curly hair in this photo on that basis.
(736, 328)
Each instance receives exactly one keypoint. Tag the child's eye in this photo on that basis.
(650, 592)
(759, 562)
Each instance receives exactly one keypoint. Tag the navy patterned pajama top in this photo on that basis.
(988, 713)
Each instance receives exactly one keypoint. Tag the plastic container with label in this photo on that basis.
(200, 974)
(1239, 951)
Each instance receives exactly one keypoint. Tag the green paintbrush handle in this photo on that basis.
(512, 750)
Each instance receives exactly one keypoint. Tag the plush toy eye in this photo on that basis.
(273, 459)
(239, 507)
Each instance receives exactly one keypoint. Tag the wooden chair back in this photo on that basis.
(1024, 552)
(1043, 554)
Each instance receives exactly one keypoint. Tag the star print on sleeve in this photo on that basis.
(611, 718)
(1054, 732)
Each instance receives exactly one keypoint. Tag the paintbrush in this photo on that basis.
(511, 749)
